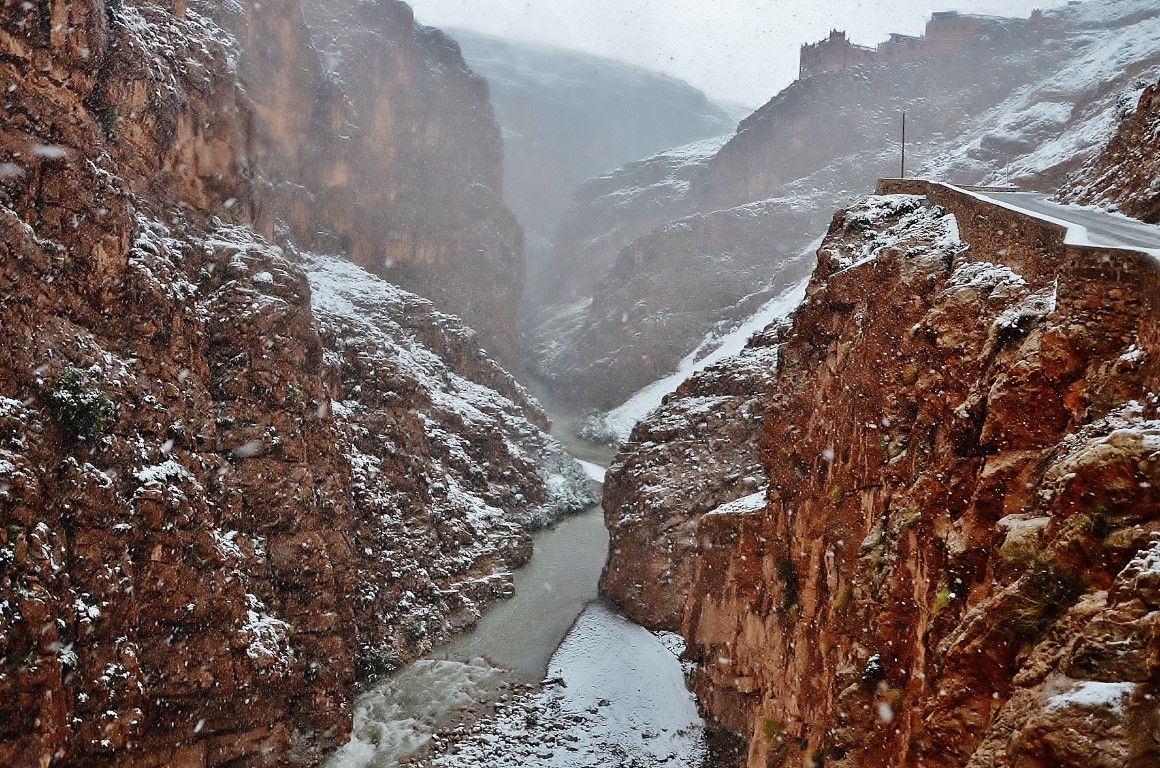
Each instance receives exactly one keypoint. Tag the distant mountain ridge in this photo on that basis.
(664, 261)
(568, 116)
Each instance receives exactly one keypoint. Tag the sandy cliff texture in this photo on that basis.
(200, 492)
(1126, 174)
(956, 560)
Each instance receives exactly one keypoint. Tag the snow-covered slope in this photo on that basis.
(615, 425)
(451, 463)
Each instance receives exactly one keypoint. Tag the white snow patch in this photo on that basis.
(754, 502)
(594, 471)
(1147, 562)
(620, 420)
(628, 707)
(50, 151)
(163, 474)
(268, 636)
(1092, 694)
(979, 274)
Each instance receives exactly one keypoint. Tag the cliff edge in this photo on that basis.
(955, 561)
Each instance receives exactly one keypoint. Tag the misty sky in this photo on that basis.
(735, 50)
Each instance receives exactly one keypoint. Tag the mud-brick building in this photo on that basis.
(947, 33)
(834, 54)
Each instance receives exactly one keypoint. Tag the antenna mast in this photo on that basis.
(902, 175)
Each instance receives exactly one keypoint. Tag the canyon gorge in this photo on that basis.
(377, 394)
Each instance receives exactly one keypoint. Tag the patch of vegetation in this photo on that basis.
(82, 412)
(108, 117)
(771, 731)
(942, 597)
(374, 663)
(787, 575)
(1096, 523)
(1049, 589)
(294, 395)
(415, 628)
(819, 758)
(845, 600)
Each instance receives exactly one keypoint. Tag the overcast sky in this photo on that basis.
(735, 50)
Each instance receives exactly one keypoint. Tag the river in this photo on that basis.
(614, 693)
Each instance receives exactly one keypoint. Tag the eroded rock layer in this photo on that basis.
(955, 562)
(233, 475)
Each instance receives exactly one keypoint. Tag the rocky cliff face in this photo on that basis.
(955, 561)
(1042, 99)
(1126, 174)
(452, 469)
(697, 452)
(200, 484)
(417, 193)
(704, 273)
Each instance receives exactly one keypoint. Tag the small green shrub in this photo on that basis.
(294, 395)
(108, 117)
(375, 662)
(82, 412)
(942, 597)
(771, 730)
(845, 600)
(1097, 524)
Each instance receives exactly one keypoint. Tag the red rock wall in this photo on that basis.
(388, 151)
(961, 454)
(954, 463)
(180, 504)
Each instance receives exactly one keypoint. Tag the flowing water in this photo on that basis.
(522, 633)
(608, 672)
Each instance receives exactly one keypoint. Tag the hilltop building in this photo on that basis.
(947, 33)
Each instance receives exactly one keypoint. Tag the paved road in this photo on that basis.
(1103, 228)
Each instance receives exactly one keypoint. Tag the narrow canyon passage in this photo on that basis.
(553, 674)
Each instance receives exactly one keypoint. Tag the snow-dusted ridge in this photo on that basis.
(616, 425)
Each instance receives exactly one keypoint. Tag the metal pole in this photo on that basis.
(902, 175)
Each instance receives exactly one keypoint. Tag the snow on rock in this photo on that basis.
(594, 471)
(754, 502)
(596, 709)
(1093, 695)
(419, 400)
(268, 640)
(616, 425)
